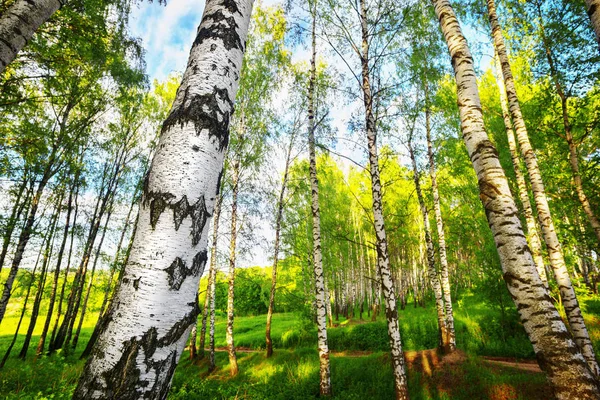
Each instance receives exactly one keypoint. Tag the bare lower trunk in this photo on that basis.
(19, 23)
(451, 340)
(233, 365)
(553, 245)
(156, 303)
(42, 341)
(280, 204)
(532, 230)
(22, 243)
(324, 368)
(35, 310)
(444, 337)
(212, 278)
(557, 353)
(383, 261)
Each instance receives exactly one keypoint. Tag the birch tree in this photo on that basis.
(136, 353)
(557, 353)
(567, 293)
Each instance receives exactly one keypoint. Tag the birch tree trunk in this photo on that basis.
(571, 142)
(592, 8)
(570, 303)
(42, 341)
(278, 218)
(233, 365)
(24, 237)
(557, 353)
(437, 209)
(11, 223)
(324, 365)
(532, 230)
(156, 303)
(383, 261)
(35, 310)
(444, 337)
(19, 23)
(212, 278)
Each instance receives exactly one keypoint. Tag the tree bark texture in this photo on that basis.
(555, 253)
(383, 260)
(444, 337)
(439, 222)
(557, 353)
(156, 303)
(233, 365)
(19, 23)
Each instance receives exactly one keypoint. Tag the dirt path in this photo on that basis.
(524, 365)
(425, 360)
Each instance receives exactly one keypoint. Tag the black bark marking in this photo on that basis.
(157, 202)
(178, 271)
(204, 112)
(223, 28)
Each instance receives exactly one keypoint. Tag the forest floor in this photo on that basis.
(495, 360)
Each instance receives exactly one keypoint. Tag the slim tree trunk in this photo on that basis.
(19, 23)
(444, 337)
(212, 277)
(571, 142)
(15, 214)
(156, 303)
(383, 260)
(23, 310)
(437, 209)
(570, 303)
(35, 310)
(89, 288)
(231, 276)
(592, 7)
(22, 243)
(276, 250)
(557, 353)
(53, 343)
(210, 287)
(42, 341)
(324, 368)
(532, 230)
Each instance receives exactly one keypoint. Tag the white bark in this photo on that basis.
(433, 278)
(557, 353)
(592, 7)
(532, 230)
(212, 278)
(450, 340)
(156, 303)
(383, 261)
(233, 365)
(325, 374)
(19, 23)
(557, 261)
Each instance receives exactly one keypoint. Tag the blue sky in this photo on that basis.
(167, 33)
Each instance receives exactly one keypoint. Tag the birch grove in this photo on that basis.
(437, 217)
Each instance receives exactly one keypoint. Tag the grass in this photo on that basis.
(360, 366)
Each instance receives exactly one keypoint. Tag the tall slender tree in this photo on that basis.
(555, 253)
(136, 353)
(557, 353)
